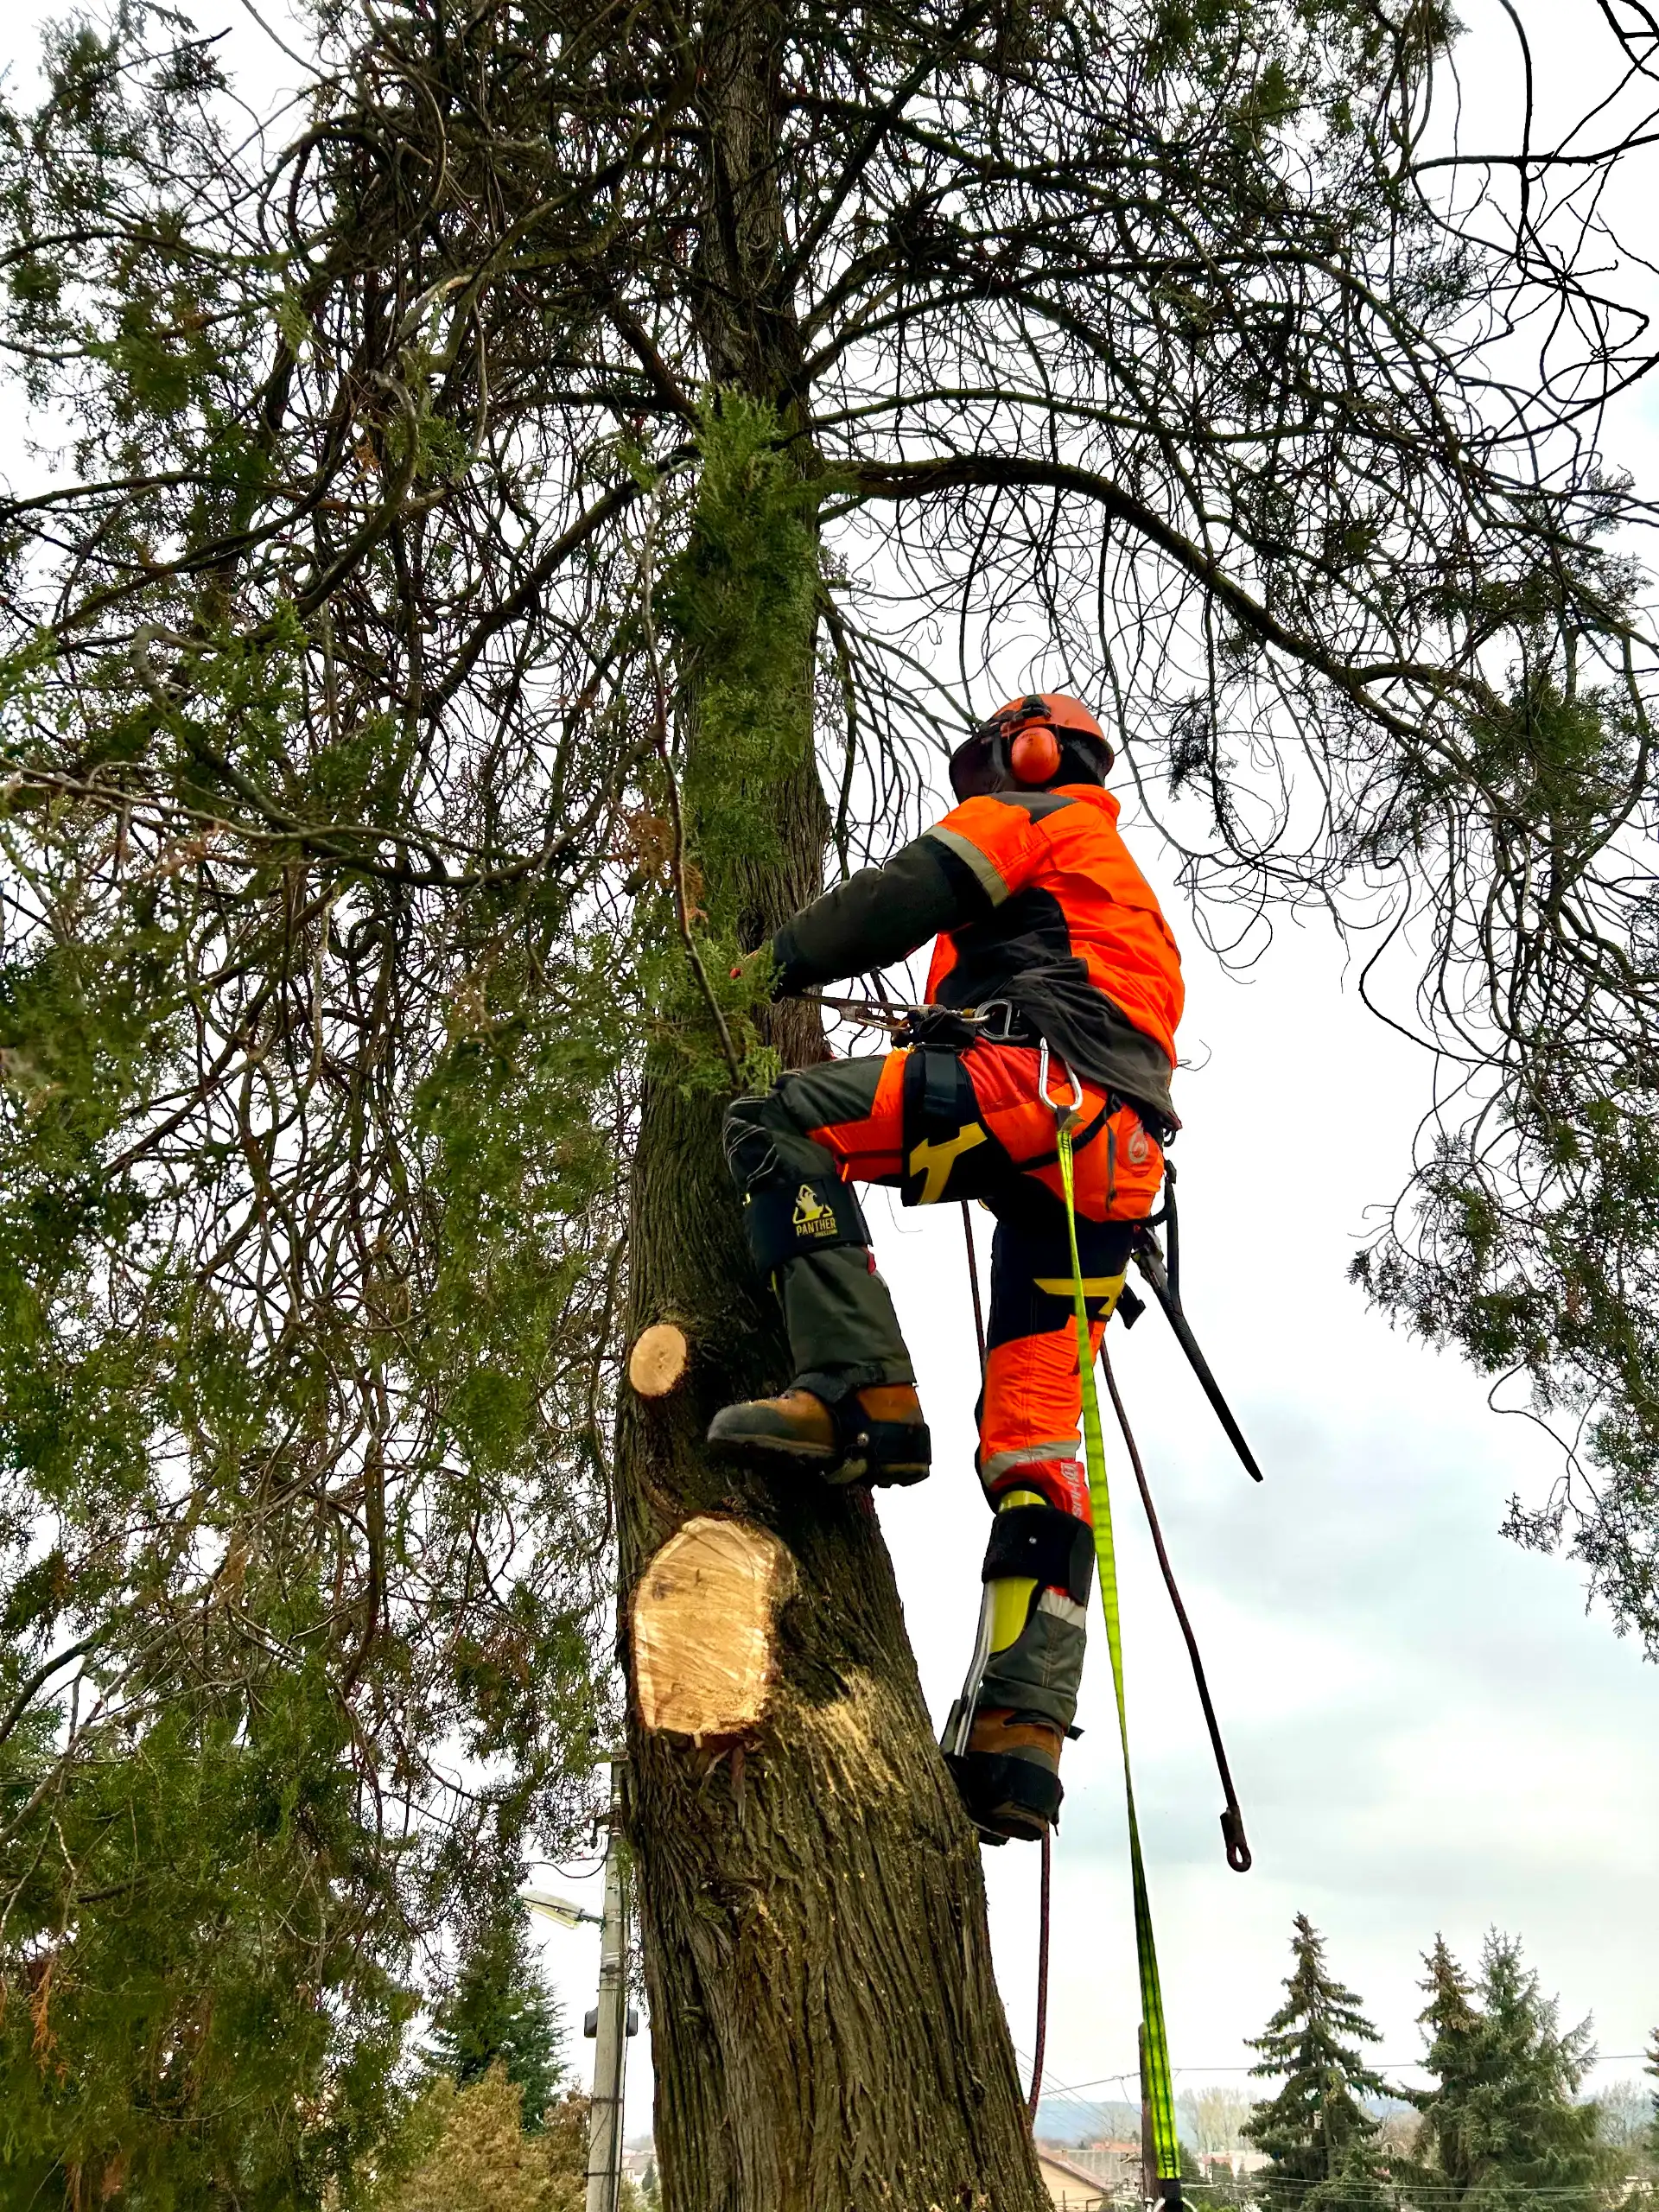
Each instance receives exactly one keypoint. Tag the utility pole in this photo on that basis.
(611, 2023)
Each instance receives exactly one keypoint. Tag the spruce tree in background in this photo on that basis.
(1653, 2068)
(1320, 2140)
(501, 2009)
(1453, 2027)
(1502, 2122)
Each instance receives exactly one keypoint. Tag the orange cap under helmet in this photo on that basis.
(1025, 743)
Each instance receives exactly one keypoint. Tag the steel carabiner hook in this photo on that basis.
(1067, 1112)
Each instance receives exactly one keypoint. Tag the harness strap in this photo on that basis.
(1160, 2093)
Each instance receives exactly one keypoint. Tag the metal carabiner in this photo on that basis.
(981, 1015)
(1067, 1112)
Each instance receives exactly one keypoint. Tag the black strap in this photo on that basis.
(988, 1780)
(789, 1218)
(1040, 1540)
(941, 1084)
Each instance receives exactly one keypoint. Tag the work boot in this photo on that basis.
(874, 1435)
(1009, 1775)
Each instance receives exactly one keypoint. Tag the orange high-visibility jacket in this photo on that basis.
(1036, 902)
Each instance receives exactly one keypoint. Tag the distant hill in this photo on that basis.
(1079, 2119)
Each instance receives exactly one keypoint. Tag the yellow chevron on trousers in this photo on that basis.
(935, 1162)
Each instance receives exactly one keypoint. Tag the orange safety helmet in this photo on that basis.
(1026, 743)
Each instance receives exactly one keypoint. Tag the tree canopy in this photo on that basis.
(1503, 2121)
(499, 2011)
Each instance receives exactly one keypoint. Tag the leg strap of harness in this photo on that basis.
(988, 1779)
(1051, 1547)
(948, 1150)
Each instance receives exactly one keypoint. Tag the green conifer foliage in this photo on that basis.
(1502, 2122)
(309, 1219)
(501, 2012)
(205, 2009)
(1315, 2131)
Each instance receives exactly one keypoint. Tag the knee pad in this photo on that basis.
(790, 1219)
(1041, 1544)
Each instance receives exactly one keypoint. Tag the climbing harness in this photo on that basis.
(1159, 2093)
(998, 1022)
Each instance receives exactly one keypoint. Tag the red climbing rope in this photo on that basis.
(1041, 2038)
(973, 1278)
(1232, 1820)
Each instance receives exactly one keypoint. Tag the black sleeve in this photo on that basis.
(879, 915)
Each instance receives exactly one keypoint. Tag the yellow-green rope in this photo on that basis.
(1159, 2090)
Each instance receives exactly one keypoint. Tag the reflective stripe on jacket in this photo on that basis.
(1035, 900)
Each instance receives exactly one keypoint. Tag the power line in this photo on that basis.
(1391, 2065)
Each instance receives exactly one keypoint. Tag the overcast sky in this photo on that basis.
(1426, 1731)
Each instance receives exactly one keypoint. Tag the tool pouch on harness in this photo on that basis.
(948, 1152)
(784, 1222)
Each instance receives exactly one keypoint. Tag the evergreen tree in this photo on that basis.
(468, 2150)
(1363, 2180)
(1653, 2068)
(1453, 2027)
(1319, 2137)
(1502, 2122)
(501, 2012)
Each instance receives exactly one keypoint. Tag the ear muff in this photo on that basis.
(1031, 742)
(1034, 755)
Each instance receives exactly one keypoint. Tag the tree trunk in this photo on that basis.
(826, 2029)
(825, 2026)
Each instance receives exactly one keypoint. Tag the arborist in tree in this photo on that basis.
(1049, 936)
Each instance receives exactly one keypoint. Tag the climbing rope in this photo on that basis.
(1040, 2039)
(1160, 2086)
(1232, 1820)
(973, 1278)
